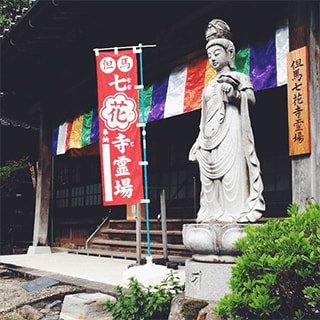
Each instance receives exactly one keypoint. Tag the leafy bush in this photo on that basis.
(11, 174)
(8, 10)
(278, 274)
(8, 170)
(140, 303)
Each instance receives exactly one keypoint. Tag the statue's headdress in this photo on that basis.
(218, 29)
(218, 33)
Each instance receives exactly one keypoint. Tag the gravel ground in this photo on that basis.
(16, 303)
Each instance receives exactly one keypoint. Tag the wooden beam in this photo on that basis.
(41, 217)
(304, 30)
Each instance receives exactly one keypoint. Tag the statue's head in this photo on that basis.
(228, 47)
(218, 29)
(218, 33)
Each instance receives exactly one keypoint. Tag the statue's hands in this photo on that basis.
(227, 88)
(231, 93)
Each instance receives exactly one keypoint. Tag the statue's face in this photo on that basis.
(218, 57)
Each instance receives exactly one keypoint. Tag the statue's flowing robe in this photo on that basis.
(231, 184)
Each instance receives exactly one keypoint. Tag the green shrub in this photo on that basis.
(8, 170)
(12, 174)
(278, 274)
(140, 303)
(8, 11)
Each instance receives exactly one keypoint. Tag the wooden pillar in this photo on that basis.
(164, 223)
(304, 30)
(41, 217)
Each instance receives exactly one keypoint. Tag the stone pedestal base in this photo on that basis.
(38, 250)
(207, 281)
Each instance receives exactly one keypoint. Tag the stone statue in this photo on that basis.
(231, 184)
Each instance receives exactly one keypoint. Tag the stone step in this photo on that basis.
(174, 237)
(127, 231)
(154, 251)
(102, 241)
(172, 224)
(120, 236)
(125, 255)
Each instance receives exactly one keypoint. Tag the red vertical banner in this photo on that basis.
(120, 148)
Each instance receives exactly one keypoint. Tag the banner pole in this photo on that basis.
(144, 148)
(150, 273)
(97, 50)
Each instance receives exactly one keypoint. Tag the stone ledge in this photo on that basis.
(85, 306)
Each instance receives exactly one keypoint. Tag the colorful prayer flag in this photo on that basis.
(78, 133)
(181, 91)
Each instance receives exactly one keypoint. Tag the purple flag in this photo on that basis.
(94, 135)
(263, 71)
(54, 140)
(159, 95)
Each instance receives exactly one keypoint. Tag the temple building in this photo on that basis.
(49, 80)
